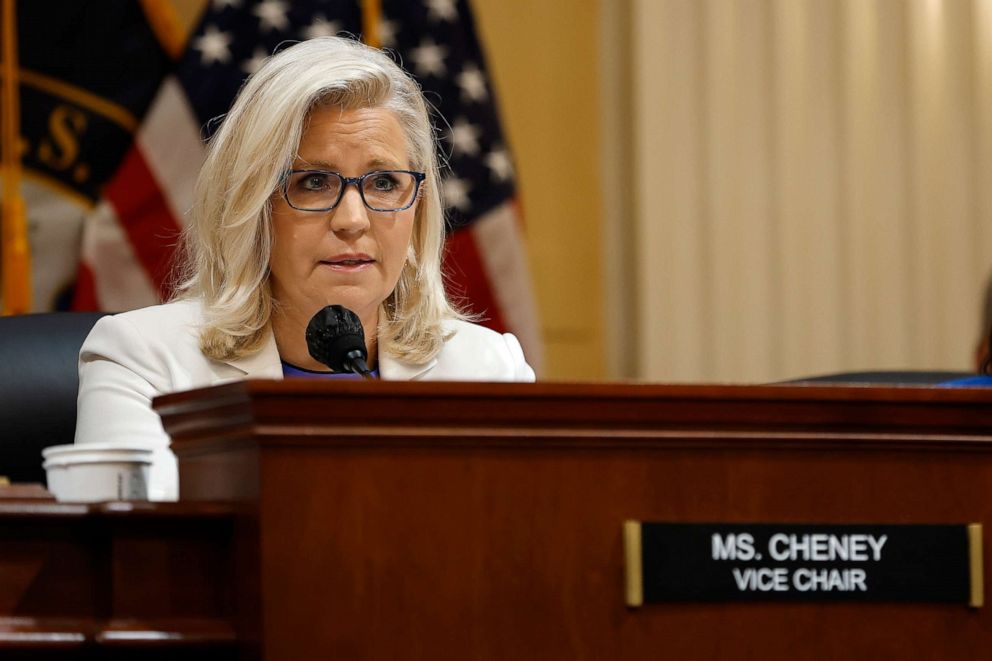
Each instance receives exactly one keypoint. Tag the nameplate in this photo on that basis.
(713, 562)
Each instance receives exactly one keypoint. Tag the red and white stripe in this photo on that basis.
(129, 240)
(486, 264)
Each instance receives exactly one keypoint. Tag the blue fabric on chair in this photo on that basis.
(892, 378)
(38, 384)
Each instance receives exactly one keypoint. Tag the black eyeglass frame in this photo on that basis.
(357, 182)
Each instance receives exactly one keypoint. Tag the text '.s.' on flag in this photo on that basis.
(88, 76)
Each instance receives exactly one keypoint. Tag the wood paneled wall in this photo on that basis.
(545, 59)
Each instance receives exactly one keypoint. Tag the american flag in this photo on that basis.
(129, 230)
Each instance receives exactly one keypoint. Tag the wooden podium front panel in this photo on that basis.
(478, 523)
(117, 580)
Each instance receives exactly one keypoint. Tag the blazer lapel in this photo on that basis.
(263, 364)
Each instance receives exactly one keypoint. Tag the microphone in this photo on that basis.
(335, 337)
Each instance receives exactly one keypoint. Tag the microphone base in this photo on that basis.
(355, 363)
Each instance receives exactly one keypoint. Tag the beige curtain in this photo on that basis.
(812, 185)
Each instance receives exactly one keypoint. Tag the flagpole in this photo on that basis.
(15, 252)
(371, 15)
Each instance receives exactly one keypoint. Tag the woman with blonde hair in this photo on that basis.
(321, 187)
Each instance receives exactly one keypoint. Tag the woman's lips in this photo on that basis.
(349, 263)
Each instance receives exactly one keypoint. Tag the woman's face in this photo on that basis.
(348, 256)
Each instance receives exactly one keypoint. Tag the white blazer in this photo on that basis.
(132, 357)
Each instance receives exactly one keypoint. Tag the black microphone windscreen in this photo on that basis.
(334, 333)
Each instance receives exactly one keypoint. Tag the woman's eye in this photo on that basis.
(383, 182)
(315, 182)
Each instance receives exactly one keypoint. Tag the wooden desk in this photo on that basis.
(482, 521)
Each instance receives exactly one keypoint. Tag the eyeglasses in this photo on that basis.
(382, 190)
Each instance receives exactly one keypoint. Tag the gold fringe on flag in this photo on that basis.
(371, 16)
(15, 251)
(165, 23)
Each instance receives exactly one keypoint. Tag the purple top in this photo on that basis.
(292, 371)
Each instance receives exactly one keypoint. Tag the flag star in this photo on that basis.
(499, 163)
(214, 45)
(387, 32)
(272, 15)
(455, 192)
(464, 137)
(321, 27)
(220, 4)
(428, 58)
(473, 83)
(442, 10)
(255, 63)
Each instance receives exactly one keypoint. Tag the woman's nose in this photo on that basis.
(350, 215)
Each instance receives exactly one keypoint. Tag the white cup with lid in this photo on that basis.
(95, 472)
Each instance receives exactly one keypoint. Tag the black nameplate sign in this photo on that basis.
(713, 562)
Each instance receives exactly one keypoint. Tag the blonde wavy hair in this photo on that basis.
(226, 243)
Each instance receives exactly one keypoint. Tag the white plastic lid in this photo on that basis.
(73, 449)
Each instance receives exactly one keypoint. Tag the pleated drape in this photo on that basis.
(812, 185)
